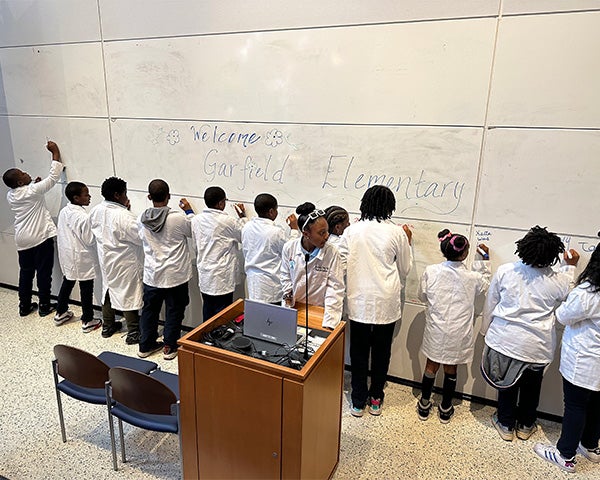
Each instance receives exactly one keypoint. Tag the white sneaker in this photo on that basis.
(592, 455)
(62, 318)
(357, 412)
(551, 454)
(90, 326)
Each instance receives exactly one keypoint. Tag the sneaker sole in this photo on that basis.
(169, 356)
(92, 328)
(375, 413)
(357, 414)
(63, 320)
(158, 348)
(521, 435)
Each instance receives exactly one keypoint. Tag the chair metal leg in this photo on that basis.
(61, 417)
(122, 437)
(111, 427)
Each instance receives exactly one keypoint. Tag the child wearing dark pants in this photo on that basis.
(77, 257)
(518, 324)
(34, 232)
(580, 368)
(167, 269)
(449, 290)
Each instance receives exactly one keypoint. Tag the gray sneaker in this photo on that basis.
(90, 326)
(524, 432)
(593, 455)
(505, 433)
(63, 318)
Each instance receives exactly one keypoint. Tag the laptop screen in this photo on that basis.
(271, 323)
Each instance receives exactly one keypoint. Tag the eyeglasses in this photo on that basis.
(312, 216)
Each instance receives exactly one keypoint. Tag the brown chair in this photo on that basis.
(84, 375)
(150, 402)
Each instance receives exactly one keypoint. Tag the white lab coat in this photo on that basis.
(262, 245)
(325, 279)
(33, 222)
(379, 258)
(580, 354)
(217, 237)
(518, 318)
(449, 290)
(76, 244)
(120, 254)
(167, 260)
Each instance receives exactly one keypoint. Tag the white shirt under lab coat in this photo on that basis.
(120, 254)
(167, 260)
(325, 279)
(580, 354)
(518, 318)
(449, 291)
(217, 237)
(262, 245)
(76, 244)
(33, 222)
(379, 258)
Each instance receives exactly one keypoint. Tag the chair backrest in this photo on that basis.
(80, 367)
(140, 392)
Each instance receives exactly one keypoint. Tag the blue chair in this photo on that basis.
(150, 402)
(85, 375)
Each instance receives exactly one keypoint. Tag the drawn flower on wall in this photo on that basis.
(274, 138)
(173, 137)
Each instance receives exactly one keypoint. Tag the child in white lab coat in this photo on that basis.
(379, 258)
(580, 369)
(262, 244)
(77, 257)
(121, 259)
(518, 324)
(338, 220)
(449, 291)
(325, 272)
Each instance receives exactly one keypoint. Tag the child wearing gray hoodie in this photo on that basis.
(167, 270)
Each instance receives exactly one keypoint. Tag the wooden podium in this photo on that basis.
(243, 417)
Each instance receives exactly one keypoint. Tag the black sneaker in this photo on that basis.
(156, 348)
(424, 409)
(133, 338)
(46, 309)
(109, 330)
(445, 415)
(24, 311)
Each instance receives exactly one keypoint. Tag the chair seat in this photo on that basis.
(90, 395)
(113, 359)
(158, 423)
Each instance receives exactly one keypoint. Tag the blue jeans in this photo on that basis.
(175, 299)
(581, 419)
(213, 304)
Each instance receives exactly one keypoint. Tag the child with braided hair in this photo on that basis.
(449, 291)
(518, 324)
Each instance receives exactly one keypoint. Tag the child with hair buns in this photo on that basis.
(449, 291)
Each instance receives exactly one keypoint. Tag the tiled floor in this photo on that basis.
(393, 446)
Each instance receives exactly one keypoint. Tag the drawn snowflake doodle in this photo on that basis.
(274, 138)
(173, 137)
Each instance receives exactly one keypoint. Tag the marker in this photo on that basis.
(237, 209)
(481, 251)
(569, 254)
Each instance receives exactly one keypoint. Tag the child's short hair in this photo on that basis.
(452, 245)
(335, 215)
(74, 189)
(158, 190)
(263, 203)
(213, 195)
(378, 203)
(11, 177)
(112, 186)
(539, 247)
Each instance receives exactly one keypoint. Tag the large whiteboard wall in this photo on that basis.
(482, 116)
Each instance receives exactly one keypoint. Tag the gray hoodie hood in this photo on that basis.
(154, 218)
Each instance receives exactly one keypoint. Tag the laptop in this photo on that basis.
(270, 323)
